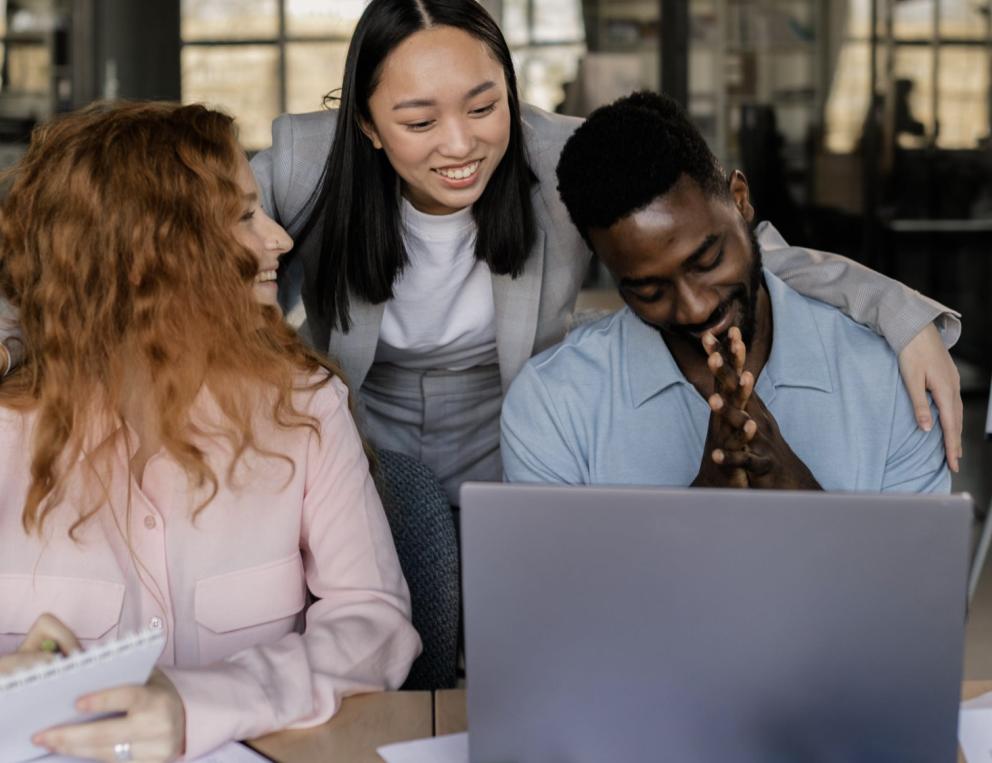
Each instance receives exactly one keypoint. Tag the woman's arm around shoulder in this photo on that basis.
(358, 635)
(289, 172)
(919, 329)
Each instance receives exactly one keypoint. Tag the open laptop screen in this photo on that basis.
(628, 624)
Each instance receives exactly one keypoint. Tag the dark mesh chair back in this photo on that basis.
(427, 544)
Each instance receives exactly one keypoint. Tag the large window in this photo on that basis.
(257, 59)
(547, 39)
(947, 105)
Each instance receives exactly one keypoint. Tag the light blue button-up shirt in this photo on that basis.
(610, 406)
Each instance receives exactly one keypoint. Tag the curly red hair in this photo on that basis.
(116, 245)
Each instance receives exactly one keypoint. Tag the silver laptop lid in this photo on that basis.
(629, 624)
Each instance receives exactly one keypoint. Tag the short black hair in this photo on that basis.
(628, 154)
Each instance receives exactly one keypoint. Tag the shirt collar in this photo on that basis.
(648, 363)
(798, 357)
(103, 433)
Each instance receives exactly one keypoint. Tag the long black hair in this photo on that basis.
(357, 197)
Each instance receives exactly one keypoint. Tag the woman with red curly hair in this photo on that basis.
(171, 455)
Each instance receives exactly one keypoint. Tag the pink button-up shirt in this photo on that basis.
(245, 651)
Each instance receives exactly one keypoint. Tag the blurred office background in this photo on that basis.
(862, 125)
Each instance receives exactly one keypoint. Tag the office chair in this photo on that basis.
(423, 528)
(986, 537)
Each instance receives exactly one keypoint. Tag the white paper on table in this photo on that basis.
(232, 752)
(450, 748)
(975, 729)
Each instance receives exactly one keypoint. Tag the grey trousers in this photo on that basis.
(448, 420)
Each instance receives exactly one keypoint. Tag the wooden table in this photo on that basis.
(972, 689)
(363, 723)
(372, 720)
(450, 716)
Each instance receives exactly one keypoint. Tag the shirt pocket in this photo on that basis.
(90, 608)
(249, 607)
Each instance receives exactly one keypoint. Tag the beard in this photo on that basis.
(744, 298)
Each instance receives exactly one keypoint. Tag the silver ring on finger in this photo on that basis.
(122, 752)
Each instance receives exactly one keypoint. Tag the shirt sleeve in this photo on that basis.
(915, 461)
(358, 636)
(261, 167)
(272, 190)
(273, 171)
(534, 444)
(10, 335)
(883, 304)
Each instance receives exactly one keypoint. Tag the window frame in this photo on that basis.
(280, 41)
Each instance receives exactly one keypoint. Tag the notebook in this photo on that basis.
(45, 695)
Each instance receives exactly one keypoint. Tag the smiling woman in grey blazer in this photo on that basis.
(434, 255)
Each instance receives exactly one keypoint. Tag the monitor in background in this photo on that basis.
(623, 624)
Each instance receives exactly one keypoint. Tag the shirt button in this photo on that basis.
(150, 522)
(156, 623)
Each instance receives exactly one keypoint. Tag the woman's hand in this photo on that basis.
(47, 637)
(926, 365)
(153, 728)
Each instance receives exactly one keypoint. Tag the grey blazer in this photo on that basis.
(532, 310)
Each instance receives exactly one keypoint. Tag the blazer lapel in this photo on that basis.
(355, 350)
(517, 303)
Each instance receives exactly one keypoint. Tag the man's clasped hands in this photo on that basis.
(744, 447)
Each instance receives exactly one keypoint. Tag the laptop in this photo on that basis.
(607, 624)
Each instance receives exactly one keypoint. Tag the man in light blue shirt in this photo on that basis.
(663, 392)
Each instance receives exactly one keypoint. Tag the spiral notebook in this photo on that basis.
(45, 695)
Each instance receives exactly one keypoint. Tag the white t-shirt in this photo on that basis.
(442, 313)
